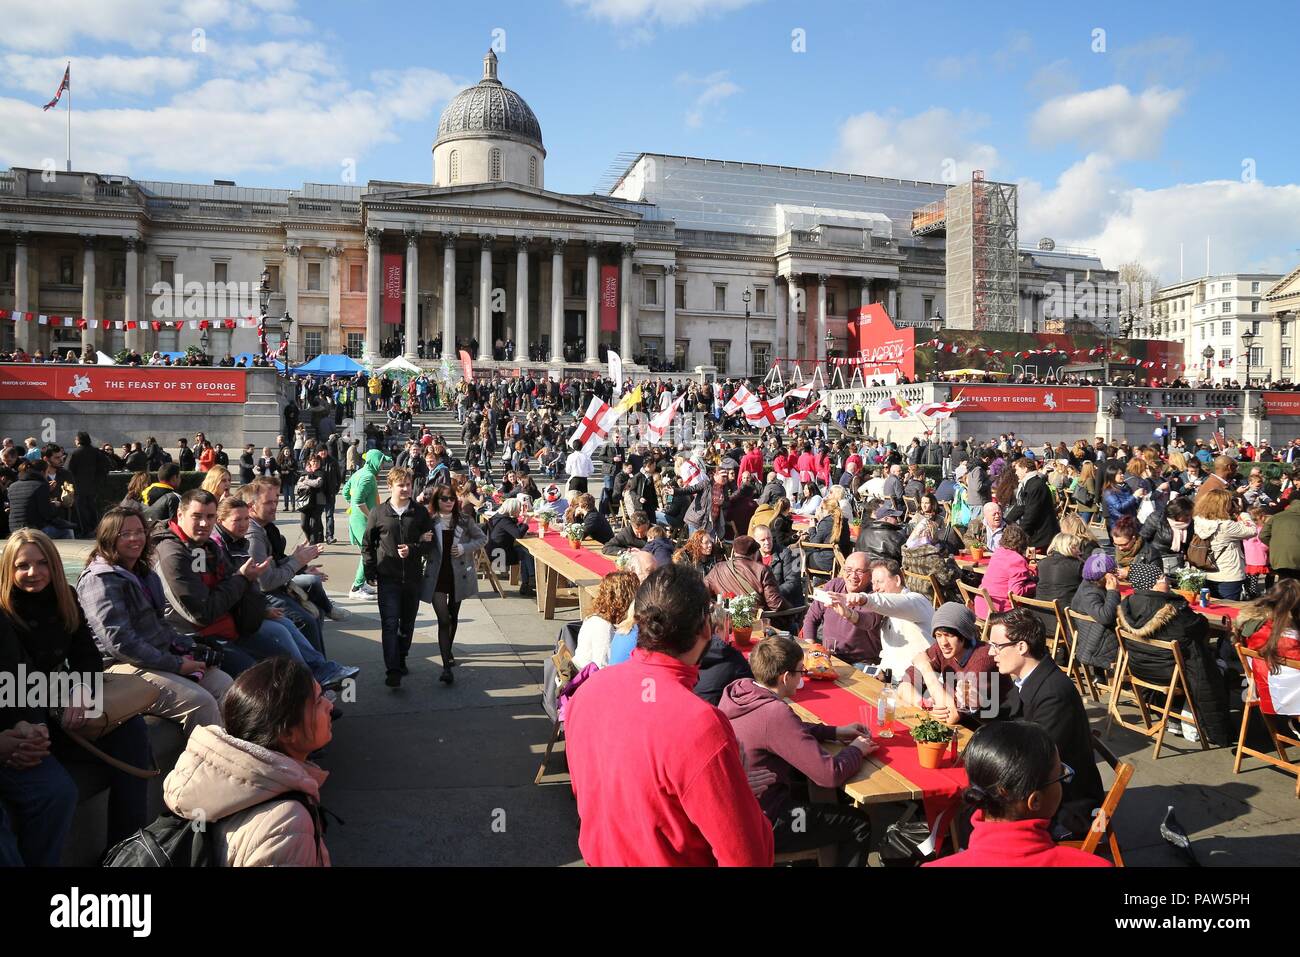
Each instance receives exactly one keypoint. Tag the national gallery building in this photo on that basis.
(701, 262)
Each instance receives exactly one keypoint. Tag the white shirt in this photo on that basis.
(875, 487)
(578, 465)
(906, 631)
(594, 640)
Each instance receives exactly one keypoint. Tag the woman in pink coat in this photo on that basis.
(1008, 572)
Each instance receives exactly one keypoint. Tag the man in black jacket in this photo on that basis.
(1044, 694)
(1033, 509)
(785, 567)
(398, 537)
(329, 467)
(631, 535)
(137, 460)
(89, 468)
(883, 537)
(644, 496)
(30, 503)
(184, 456)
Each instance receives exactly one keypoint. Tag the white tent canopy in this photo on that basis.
(400, 364)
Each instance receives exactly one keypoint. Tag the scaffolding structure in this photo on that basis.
(982, 256)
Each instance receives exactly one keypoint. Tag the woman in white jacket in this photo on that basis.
(1213, 519)
(252, 783)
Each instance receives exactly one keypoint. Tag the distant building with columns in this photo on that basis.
(714, 261)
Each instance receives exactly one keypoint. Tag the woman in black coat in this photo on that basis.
(1060, 572)
(44, 632)
(1098, 596)
(504, 529)
(1168, 532)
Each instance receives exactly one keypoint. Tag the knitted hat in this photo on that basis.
(1097, 566)
(954, 616)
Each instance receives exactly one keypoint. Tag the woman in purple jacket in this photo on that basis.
(773, 738)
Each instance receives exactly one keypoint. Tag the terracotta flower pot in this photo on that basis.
(976, 554)
(743, 635)
(855, 531)
(930, 753)
(1187, 593)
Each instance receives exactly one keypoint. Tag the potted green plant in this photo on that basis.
(1188, 582)
(543, 523)
(973, 539)
(932, 739)
(744, 612)
(574, 533)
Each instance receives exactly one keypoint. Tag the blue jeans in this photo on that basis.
(399, 604)
(1229, 590)
(278, 636)
(54, 531)
(526, 569)
(128, 795)
(40, 802)
(308, 624)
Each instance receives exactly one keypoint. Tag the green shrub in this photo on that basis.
(1273, 471)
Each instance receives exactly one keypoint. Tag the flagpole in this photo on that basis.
(69, 69)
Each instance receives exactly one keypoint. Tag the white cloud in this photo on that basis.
(935, 146)
(96, 76)
(716, 88)
(263, 123)
(1111, 120)
(141, 24)
(672, 13)
(1083, 197)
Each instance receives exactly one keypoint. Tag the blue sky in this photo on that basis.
(1171, 126)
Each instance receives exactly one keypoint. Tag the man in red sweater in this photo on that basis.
(656, 770)
(751, 462)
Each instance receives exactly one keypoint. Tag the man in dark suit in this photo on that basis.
(89, 467)
(1033, 509)
(1043, 693)
(644, 496)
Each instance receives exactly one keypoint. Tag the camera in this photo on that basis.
(207, 655)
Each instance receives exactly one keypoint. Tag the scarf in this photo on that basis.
(1124, 555)
(1179, 537)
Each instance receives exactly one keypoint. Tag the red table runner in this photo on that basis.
(1211, 610)
(966, 557)
(592, 561)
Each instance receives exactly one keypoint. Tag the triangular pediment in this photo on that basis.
(504, 196)
(1288, 285)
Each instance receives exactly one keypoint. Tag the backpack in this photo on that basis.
(173, 841)
(1200, 555)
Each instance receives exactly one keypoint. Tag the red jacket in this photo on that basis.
(752, 462)
(1016, 844)
(657, 772)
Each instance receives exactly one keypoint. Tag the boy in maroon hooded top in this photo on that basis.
(774, 738)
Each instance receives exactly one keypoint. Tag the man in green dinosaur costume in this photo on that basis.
(361, 493)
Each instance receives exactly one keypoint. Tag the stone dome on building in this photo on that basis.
(488, 134)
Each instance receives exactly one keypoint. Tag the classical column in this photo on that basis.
(796, 301)
(670, 313)
(821, 316)
(521, 298)
(374, 290)
(88, 291)
(782, 316)
(625, 304)
(449, 294)
(593, 305)
(25, 332)
(292, 261)
(334, 318)
(485, 294)
(1275, 348)
(557, 299)
(413, 295)
(892, 306)
(131, 302)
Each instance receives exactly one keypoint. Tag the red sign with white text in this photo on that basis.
(608, 298)
(71, 383)
(391, 267)
(1282, 403)
(885, 348)
(1014, 398)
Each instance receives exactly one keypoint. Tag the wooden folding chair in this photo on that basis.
(1125, 680)
(1103, 824)
(1091, 686)
(911, 506)
(837, 563)
(485, 566)
(1062, 634)
(936, 590)
(968, 596)
(1281, 740)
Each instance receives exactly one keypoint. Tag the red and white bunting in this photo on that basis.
(1185, 416)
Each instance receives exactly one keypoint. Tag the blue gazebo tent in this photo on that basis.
(330, 365)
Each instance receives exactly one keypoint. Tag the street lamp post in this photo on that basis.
(1248, 339)
(830, 341)
(285, 321)
(749, 362)
(1208, 354)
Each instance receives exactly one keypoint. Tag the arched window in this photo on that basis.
(532, 171)
(496, 165)
(455, 166)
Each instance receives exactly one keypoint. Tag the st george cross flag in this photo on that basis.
(939, 410)
(1279, 693)
(659, 424)
(65, 85)
(594, 427)
(762, 413)
(466, 366)
(797, 418)
(802, 392)
(616, 371)
(739, 400)
(689, 472)
(896, 408)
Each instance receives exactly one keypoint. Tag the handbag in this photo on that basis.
(1200, 555)
(901, 844)
(124, 697)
